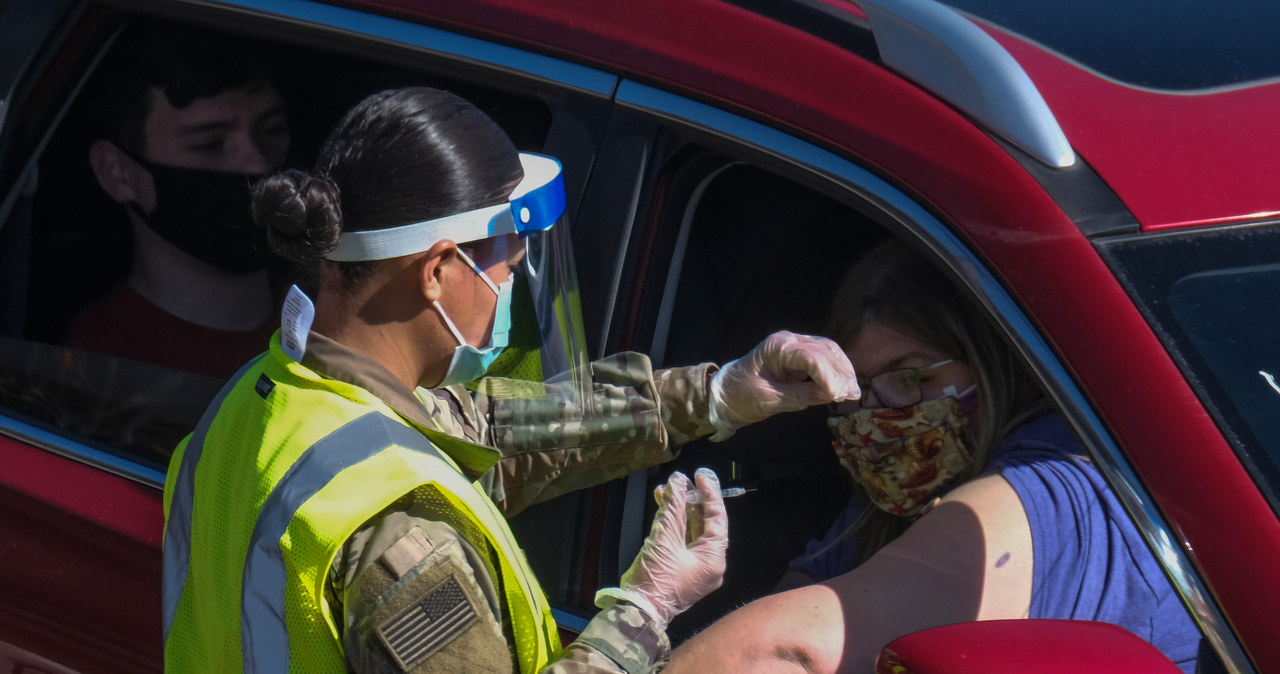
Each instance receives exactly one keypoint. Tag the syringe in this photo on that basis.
(695, 496)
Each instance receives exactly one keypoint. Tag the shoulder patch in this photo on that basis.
(428, 625)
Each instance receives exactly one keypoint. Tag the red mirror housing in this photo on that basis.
(1044, 646)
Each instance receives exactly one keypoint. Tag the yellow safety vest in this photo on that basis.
(284, 466)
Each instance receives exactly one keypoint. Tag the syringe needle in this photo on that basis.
(695, 496)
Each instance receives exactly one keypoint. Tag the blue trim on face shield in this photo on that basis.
(534, 206)
(541, 206)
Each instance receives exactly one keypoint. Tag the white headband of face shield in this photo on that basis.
(535, 204)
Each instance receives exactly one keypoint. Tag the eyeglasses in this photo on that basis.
(899, 387)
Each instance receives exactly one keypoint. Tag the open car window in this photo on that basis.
(760, 253)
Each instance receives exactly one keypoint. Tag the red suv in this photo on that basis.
(1102, 180)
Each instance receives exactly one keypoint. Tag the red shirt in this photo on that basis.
(127, 325)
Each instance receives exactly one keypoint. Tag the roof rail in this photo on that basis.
(946, 53)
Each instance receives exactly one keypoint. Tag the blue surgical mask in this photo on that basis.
(470, 363)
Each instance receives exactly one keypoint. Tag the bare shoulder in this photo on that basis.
(968, 558)
(981, 526)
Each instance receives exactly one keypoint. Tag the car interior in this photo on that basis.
(762, 254)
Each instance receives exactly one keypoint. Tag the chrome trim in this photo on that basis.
(914, 219)
(936, 47)
(76, 451)
(400, 32)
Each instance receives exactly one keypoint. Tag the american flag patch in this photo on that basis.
(425, 627)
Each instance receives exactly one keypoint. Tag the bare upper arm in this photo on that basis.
(969, 558)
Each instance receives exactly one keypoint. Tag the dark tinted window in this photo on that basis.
(1150, 43)
(64, 243)
(1212, 297)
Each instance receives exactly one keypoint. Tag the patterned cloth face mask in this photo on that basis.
(904, 457)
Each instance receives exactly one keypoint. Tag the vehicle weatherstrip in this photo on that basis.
(177, 526)
(264, 635)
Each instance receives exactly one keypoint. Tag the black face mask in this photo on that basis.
(206, 214)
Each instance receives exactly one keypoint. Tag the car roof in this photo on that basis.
(1155, 44)
(1174, 158)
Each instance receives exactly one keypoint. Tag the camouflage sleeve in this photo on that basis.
(453, 411)
(404, 563)
(620, 638)
(554, 442)
(685, 404)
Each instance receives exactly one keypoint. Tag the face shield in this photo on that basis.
(546, 341)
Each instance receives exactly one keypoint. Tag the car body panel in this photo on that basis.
(79, 527)
(1154, 152)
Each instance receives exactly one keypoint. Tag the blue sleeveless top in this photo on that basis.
(1090, 562)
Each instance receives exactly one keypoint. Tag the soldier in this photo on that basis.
(331, 512)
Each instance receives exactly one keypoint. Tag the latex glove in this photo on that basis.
(683, 559)
(784, 373)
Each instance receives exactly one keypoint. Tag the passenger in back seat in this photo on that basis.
(190, 120)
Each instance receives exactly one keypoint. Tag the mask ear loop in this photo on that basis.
(457, 334)
(449, 322)
(488, 281)
(950, 391)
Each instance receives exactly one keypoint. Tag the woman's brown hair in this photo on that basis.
(896, 286)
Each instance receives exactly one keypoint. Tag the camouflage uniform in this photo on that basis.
(548, 448)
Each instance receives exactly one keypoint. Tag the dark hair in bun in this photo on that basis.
(300, 213)
(398, 157)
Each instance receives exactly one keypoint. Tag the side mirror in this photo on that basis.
(1007, 646)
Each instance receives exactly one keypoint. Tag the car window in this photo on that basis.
(739, 249)
(763, 253)
(1211, 296)
(66, 244)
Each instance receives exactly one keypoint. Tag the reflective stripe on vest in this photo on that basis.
(177, 525)
(263, 635)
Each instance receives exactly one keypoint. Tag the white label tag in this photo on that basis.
(295, 322)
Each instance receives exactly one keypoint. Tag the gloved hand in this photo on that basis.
(784, 373)
(683, 558)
